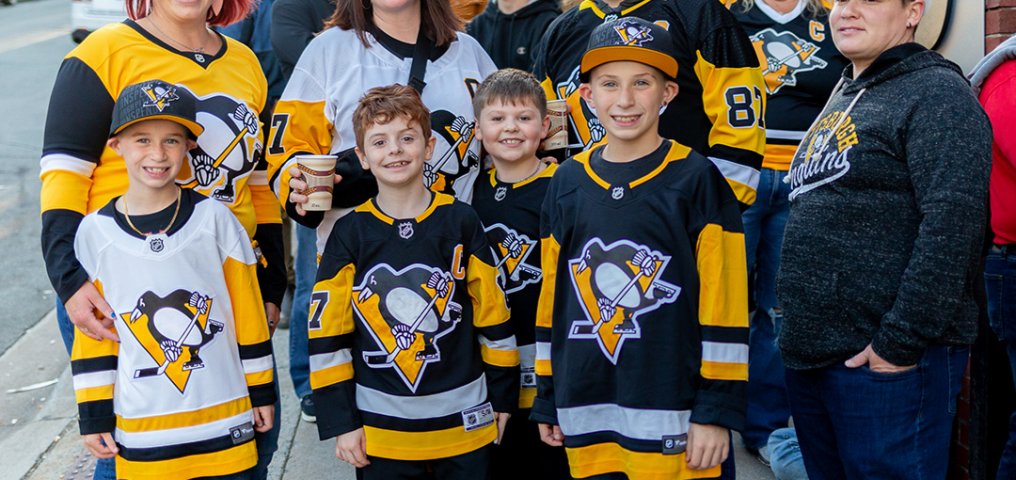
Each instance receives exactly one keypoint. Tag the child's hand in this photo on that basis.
(551, 435)
(94, 442)
(298, 185)
(263, 418)
(708, 446)
(351, 447)
(502, 419)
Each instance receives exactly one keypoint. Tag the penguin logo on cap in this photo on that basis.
(161, 95)
(633, 34)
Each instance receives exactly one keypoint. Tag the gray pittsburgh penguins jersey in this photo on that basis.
(642, 323)
(409, 333)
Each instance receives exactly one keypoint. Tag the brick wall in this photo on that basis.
(999, 22)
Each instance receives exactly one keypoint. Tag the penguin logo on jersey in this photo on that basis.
(160, 95)
(784, 55)
(173, 330)
(615, 285)
(455, 153)
(633, 34)
(585, 129)
(406, 312)
(512, 251)
(227, 151)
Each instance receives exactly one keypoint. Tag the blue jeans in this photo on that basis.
(268, 442)
(785, 455)
(305, 266)
(854, 423)
(1000, 280)
(764, 222)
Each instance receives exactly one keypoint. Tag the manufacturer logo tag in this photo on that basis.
(675, 444)
(242, 433)
(478, 417)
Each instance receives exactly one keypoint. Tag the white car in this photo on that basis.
(90, 15)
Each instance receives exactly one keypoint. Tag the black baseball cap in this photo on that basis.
(155, 100)
(630, 39)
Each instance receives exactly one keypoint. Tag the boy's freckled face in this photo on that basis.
(627, 97)
(511, 132)
(396, 151)
(153, 151)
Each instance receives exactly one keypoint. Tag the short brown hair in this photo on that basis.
(381, 105)
(510, 85)
(232, 11)
(438, 21)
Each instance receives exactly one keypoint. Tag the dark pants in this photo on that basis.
(522, 454)
(474, 465)
(1000, 280)
(854, 423)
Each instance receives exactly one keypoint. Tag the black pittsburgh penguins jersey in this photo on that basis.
(800, 66)
(194, 353)
(409, 333)
(511, 217)
(642, 324)
(718, 78)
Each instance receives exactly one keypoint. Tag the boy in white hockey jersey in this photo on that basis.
(183, 393)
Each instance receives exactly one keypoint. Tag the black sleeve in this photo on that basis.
(272, 279)
(293, 27)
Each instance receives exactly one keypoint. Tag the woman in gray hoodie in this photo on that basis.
(881, 250)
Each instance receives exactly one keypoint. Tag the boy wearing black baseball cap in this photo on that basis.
(642, 327)
(191, 380)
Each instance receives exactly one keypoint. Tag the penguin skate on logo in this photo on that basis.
(173, 329)
(406, 312)
(455, 138)
(615, 285)
(826, 159)
(784, 55)
(511, 254)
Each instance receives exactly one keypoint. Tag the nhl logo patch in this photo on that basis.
(609, 18)
(617, 193)
(500, 193)
(156, 244)
(406, 230)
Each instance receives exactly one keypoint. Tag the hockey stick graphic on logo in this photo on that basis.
(202, 304)
(458, 126)
(250, 123)
(439, 282)
(647, 267)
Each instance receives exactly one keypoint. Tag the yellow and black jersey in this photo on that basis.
(80, 173)
(194, 353)
(800, 66)
(409, 333)
(719, 108)
(642, 323)
(511, 217)
(315, 114)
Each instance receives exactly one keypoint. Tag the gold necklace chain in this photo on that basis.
(539, 165)
(200, 49)
(175, 212)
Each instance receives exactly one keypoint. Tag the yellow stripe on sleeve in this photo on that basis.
(104, 392)
(549, 252)
(526, 397)
(331, 375)
(64, 190)
(499, 358)
(723, 278)
(489, 307)
(259, 378)
(543, 368)
(245, 298)
(724, 371)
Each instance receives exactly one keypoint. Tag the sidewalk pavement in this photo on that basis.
(39, 437)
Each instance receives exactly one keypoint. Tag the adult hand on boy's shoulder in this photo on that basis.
(708, 446)
(95, 444)
(351, 447)
(551, 435)
(81, 308)
(264, 417)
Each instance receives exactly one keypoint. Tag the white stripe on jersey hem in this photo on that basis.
(527, 356)
(62, 161)
(543, 350)
(725, 352)
(94, 379)
(258, 177)
(176, 436)
(505, 344)
(255, 365)
(421, 407)
(321, 361)
(634, 423)
(784, 134)
(737, 172)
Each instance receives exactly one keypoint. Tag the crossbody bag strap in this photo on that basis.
(420, 55)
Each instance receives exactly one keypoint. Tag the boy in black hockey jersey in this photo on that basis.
(511, 119)
(641, 339)
(193, 371)
(413, 359)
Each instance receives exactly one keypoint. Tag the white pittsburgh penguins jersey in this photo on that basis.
(409, 333)
(316, 110)
(642, 324)
(194, 353)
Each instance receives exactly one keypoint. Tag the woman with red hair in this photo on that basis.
(169, 40)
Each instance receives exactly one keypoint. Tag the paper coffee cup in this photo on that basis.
(557, 136)
(319, 173)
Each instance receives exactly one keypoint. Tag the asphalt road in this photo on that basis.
(34, 37)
